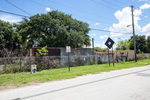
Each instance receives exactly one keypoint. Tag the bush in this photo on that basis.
(130, 59)
(99, 61)
(10, 68)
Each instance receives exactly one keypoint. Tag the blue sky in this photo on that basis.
(109, 15)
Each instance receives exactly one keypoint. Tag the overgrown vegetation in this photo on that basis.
(17, 79)
(23, 64)
(142, 44)
(53, 29)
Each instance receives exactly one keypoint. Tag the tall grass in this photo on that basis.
(17, 79)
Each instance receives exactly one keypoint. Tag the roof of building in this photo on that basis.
(101, 52)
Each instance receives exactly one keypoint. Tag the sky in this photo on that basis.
(110, 18)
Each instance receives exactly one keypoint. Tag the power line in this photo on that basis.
(73, 14)
(112, 4)
(146, 18)
(122, 3)
(57, 23)
(13, 13)
(108, 31)
(22, 15)
(18, 7)
(41, 4)
(28, 16)
(54, 22)
(92, 19)
(77, 9)
(104, 5)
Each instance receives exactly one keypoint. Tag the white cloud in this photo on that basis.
(11, 19)
(47, 9)
(145, 16)
(101, 46)
(143, 0)
(106, 28)
(105, 36)
(97, 45)
(96, 24)
(94, 34)
(145, 6)
(104, 46)
(117, 39)
(124, 17)
(146, 29)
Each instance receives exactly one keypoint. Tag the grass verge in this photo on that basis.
(18, 79)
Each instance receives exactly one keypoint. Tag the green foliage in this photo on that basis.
(98, 49)
(54, 29)
(10, 68)
(123, 44)
(63, 73)
(141, 44)
(148, 42)
(99, 61)
(122, 62)
(42, 52)
(8, 37)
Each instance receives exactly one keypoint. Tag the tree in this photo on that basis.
(140, 44)
(42, 52)
(54, 29)
(98, 49)
(25, 36)
(148, 42)
(8, 38)
(123, 44)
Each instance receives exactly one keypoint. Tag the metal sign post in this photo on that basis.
(109, 43)
(69, 61)
(113, 56)
(108, 57)
(68, 49)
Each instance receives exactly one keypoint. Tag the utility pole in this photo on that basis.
(133, 33)
(93, 48)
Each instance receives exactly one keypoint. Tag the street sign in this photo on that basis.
(33, 68)
(68, 49)
(109, 43)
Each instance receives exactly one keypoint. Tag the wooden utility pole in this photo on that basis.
(133, 33)
(93, 48)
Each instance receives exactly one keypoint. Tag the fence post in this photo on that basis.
(48, 63)
(20, 64)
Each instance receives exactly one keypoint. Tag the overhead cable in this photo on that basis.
(17, 7)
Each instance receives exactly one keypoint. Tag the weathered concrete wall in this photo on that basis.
(147, 55)
(104, 58)
(79, 51)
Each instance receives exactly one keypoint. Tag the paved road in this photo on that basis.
(126, 84)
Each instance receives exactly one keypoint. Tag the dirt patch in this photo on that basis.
(7, 87)
(11, 86)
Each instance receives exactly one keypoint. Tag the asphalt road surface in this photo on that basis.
(125, 84)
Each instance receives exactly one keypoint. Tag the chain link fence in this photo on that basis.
(23, 64)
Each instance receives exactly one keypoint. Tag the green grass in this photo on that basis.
(17, 79)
